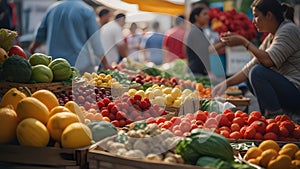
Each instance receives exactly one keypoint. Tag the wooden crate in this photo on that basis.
(15, 156)
(98, 159)
(55, 87)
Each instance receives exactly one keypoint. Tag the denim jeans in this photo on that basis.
(273, 90)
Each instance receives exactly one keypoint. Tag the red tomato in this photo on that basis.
(249, 133)
(235, 127)
(225, 128)
(296, 133)
(236, 135)
(225, 133)
(185, 126)
(223, 120)
(239, 120)
(213, 114)
(243, 130)
(190, 116)
(200, 116)
(283, 131)
(178, 133)
(245, 115)
(256, 114)
(17, 50)
(270, 136)
(258, 136)
(252, 119)
(230, 116)
(227, 111)
(211, 123)
(175, 120)
(238, 113)
(122, 123)
(115, 123)
(288, 125)
(259, 126)
(269, 121)
(194, 126)
(273, 127)
(176, 127)
(160, 120)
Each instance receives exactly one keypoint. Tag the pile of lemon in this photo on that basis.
(269, 155)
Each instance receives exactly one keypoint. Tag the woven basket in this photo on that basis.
(55, 87)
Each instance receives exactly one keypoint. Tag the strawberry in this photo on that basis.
(143, 105)
(147, 101)
(128, 121)
(111, 116)
(110, 105)
(105, 113)
(120, 115)
(137, 97)
(100, 104)
(130, 101)
(106, 101)
(114, 109)
(116, 123)
(122, 123)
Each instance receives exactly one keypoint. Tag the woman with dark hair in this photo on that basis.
(197, 44)
(201, 41)
(274, 71)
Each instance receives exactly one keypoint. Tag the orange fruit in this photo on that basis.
(253, 153)
(269, 144)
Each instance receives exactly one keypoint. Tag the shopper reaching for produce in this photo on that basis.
(274, 71)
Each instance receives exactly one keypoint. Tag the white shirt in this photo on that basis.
(111, 36)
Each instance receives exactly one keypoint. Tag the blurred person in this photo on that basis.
(173, 43)
(5, 15)
(133, 41)
(200, 3)
(113, 40)
(152, 45)
(274, 71)
(104, 16)
(199, 44)
(66, 28)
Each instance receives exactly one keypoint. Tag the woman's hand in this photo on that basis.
(219, 89)
(231, 39)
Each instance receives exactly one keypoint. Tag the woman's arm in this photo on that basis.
(233, 80)
(234, 40)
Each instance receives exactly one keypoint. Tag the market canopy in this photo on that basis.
(158, 6)
(171, 7)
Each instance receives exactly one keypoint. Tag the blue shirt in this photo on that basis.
(154, 47)
(66, 28)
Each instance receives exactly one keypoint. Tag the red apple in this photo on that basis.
(17, 50)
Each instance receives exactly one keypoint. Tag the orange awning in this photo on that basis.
(158, 6)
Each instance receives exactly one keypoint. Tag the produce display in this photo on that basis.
(156, 114)
(232, 21)
(271, 156)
